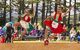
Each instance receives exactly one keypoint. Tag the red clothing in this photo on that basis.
(28, 18)
(57, 30)
(2, 40)
(15, 35)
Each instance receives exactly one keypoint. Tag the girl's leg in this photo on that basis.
(9, 38)
(71, 39)
(46, 41)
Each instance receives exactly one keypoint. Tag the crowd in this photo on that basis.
(8, 33)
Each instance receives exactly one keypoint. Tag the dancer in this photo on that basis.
(9, 32)
(25, 19)
(25, 22)
(54, 21)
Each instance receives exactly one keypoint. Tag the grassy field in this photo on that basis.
(31, 45)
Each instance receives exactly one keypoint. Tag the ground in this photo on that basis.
(39, 46)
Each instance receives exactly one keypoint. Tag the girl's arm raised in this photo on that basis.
(64, 14)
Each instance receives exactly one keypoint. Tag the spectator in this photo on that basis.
(41, 33)
(78, 37)
(72, 34)
(63, 36)
(2, 38)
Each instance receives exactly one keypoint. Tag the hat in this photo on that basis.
(7, 24)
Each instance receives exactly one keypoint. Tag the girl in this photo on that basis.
(54, 21)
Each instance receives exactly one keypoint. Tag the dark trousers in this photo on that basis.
(8, 38)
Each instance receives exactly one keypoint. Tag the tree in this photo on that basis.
(4, 16)
(43, 13)
(47, 4)
(10, 10)
(64, 18)
(36, 13)
(57, 2)
(75, 17)
(69, 17)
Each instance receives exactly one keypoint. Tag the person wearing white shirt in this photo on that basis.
(72, 34)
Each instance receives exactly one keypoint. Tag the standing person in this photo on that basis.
(9, 32)
(54, 22)
(72, 34)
